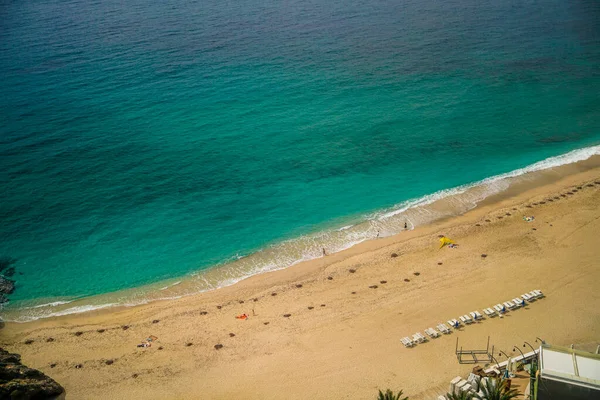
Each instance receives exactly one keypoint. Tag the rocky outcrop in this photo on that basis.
(18, 382)
(7, 286)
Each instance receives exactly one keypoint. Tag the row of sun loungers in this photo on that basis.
(467, 319)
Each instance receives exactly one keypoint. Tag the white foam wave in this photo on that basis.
(52, 304)
(170, 286)
(72, 310)
(309, 247)
(551, 162)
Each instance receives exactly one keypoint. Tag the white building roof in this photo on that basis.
(568, 365)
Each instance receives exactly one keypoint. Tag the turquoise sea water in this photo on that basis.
(143, 140)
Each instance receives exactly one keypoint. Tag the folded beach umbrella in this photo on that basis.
(445, 241)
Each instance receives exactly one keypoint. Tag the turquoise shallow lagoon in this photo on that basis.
(142, 141)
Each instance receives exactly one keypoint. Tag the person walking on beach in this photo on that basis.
(324, 252)
(405, 225)
(377, 233)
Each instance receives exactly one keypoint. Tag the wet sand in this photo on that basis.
(331, 328)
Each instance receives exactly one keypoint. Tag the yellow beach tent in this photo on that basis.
(444, 241)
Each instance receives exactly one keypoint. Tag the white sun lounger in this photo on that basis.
(443, 328)
(476, 315)
(432, 332)
(465, 319)
(509, 304)
(489, 312)
(527, 296)
(453, 323)
(500, 308)
(518, 302)
(538, 294)
(407, 342)
(418, 337)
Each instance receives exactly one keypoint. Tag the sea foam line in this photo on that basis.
(548, 163)
(352, 237)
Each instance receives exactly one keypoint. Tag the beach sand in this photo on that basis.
(348, 311)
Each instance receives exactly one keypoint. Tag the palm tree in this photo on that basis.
(389, 395)
(461, 396)
(496, 389)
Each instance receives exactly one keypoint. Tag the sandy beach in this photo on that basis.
(331, 328)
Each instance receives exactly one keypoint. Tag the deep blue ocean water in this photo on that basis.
(144, 140)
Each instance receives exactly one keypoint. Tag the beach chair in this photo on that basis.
(465, 319)
(407, 342)
(518, 302)
(489, 312)
(510, 305)
(419, 338)
(432, 332)
(538, 294)
(527, 296)
(453, 323)
(443, 328)
(500, 308)
(476, 315)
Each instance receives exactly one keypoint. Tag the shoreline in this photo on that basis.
(215, 278)
(348, 343)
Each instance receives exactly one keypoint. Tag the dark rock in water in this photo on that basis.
(9, 272)
(6, 262)
(7, 286)
(20, 382)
